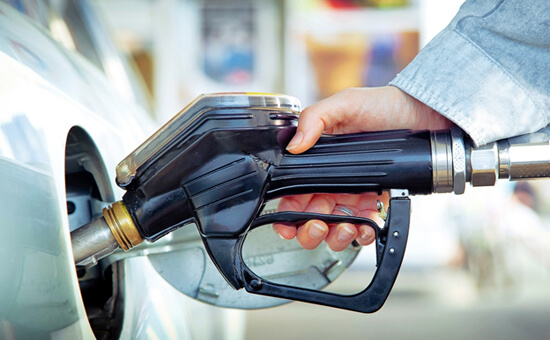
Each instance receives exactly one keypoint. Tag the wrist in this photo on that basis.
(424, 117)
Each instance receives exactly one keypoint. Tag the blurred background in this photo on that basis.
(477, 265)
(306, 48)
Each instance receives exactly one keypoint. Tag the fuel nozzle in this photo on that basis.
(222, 157)
(455, 161)
(218, 162)
(105, 234)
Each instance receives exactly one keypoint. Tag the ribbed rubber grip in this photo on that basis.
(357, 163)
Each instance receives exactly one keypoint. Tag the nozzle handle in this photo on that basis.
(357, 163)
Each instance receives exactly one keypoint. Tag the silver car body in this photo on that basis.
(51, 98)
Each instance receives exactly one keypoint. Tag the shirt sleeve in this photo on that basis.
(489, 70)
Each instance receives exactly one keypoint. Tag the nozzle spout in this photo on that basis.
(92, 242)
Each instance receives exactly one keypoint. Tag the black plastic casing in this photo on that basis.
(222, 168)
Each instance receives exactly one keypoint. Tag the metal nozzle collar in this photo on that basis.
(448, 161)
(442, 161)
(122, 226)
(459, 160)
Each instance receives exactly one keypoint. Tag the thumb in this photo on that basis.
(313, 121)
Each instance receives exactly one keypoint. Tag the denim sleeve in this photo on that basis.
(488, 70)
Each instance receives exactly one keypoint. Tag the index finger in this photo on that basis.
(291, 203)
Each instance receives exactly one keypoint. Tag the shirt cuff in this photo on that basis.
(456, 78)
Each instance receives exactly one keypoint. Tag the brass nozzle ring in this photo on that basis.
(122, 226)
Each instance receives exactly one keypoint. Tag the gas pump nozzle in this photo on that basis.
(220, 159)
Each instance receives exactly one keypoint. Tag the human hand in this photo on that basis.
(349, 111)
(338, 237)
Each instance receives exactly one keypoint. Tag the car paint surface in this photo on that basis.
(45, 91)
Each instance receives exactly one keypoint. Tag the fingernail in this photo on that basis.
(296, 141)
(278, 233)
(366, 232)
(345, 234)
(316, 231)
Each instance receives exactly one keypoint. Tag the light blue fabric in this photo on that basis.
(488, 70)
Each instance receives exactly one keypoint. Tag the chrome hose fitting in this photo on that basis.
(455, 162)
(525, 157)
(485, 165)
